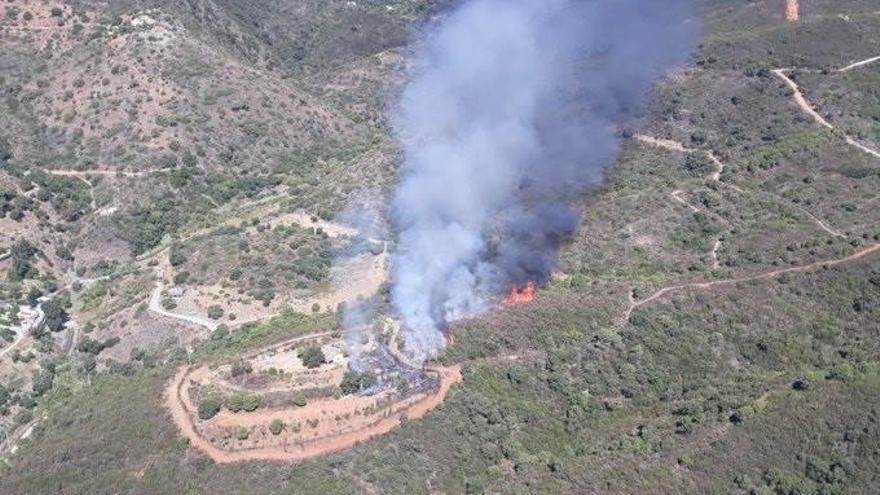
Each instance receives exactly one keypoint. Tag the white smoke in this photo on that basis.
(508, 118)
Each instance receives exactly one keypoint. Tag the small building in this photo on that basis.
(176, 292)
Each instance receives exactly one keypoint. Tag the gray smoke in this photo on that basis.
(509, 117)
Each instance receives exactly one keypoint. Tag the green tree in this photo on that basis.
(56, 315)
(176, 258)
(22, 254)
(43, 381)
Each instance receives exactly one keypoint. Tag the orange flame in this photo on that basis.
(520, 294)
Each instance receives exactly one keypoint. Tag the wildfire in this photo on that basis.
(520, 294)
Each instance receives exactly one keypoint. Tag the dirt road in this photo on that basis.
(860, 63)
(792, 10)
(183, 410)
(156, 307)
(634, 304)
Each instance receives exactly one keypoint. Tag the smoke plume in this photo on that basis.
(509, 117)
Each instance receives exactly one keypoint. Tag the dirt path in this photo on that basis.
(676, 146)
(820, 223)
(23, 332)
(792, 10)
(182, 411)
(18, 339)
(91, 187)
(156, 307)
(811, 111)
(860, 63)
(677, 194)
(714, 253)
(867, 251)
(106, 173)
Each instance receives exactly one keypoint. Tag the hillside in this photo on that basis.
(179, 182)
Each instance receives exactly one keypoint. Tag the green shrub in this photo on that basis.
(209, 407)
(354, 381)
(276, 426)
(215, 312)
(243, 402)
(241, 367)
(311, 356)
(177, 257)
(243, 433)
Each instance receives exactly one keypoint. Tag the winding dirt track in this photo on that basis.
(808, 108)
(866, 251)
(183, 410)
(860, 63)
(716, 177)
(155, 306)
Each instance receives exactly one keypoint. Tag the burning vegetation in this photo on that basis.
(520, 294)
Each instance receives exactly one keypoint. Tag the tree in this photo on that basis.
(33, 295)
(22, 253)
(43, 381)
(56, 315)
(88, 364)
(5, 151)
(312, 356)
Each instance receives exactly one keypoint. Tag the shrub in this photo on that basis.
(276, 426)
(215, 312)
(299, 400)
(311, 356)
(354, 381)
(241, 367)
(243, 402)
(177, 257)
(243, 433)
(209, 407)
(22, 253)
